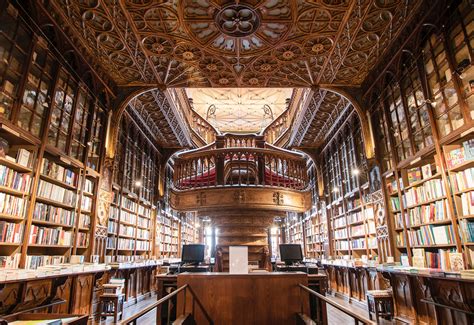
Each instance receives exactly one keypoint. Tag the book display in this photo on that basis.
(294, 229)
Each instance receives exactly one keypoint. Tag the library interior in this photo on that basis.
(236, 162)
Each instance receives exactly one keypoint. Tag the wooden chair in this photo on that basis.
(111, 304)
(380, 302)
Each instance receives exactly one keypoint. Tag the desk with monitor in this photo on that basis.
(292, 256)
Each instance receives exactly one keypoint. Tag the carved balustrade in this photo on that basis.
(240, 166)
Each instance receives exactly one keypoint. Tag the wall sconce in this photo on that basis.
(138, 183)
(356, 172)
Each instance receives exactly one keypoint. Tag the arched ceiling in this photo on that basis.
(255, 43)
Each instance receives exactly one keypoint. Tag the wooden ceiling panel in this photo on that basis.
(256, 43)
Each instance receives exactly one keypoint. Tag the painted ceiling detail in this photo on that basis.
(244, 110)
(253, 43)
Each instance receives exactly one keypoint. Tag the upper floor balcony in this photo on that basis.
(240, 170)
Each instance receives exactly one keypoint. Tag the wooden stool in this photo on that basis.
(111, 305)
(380, 302)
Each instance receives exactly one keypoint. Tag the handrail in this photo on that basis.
(269, 150)
(133, 319)
(342, 308)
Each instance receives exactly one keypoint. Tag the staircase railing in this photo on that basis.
(134, 320)
(357, 318)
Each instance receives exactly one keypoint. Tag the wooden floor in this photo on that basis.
(334, 315)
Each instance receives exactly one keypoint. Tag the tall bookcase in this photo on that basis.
(424, 117)
(132, 215)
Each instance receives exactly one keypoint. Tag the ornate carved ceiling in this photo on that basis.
(255, 43)
(247, 110)
(156, 111)
(316, 118)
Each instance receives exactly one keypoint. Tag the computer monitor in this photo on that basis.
(291, 253)
(193, 253)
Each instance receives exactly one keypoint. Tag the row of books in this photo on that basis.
(143, 233)
(51, 169)
(430, 190)
(436, 211)
(457, 155)
(114, 213)
(467, 203)
(50, 236)
(125, 243)
(127, 230)
(23, 157)
(82, 239)
(12, 179)
(128, 217)
(54, 214)
(467, 230)
(342, 244)
(111, 243)
(444, 259)
(86, 204)
(340, 233)
(144, 211)
(89, 186)
(143, 222)
(355, 217)
(56, 193)
(10, 232)
(358, 230)
(169, 239)
(169, 231)
(10, 262)
(84, 221)
(166, 247)
(12, 205)
(464, 180)
(128, 203)
(112, 227)
(35, 261)
(339, 222)
(432, 235)
(417, 174)
(143, 245)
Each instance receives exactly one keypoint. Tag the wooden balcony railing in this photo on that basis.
(240, 166)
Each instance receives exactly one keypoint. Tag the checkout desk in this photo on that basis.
(266, 298)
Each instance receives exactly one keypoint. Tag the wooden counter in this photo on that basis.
(255, 298)
(419, 298)
(431, 299)
(79, 290)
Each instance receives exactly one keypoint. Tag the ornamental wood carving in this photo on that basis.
(257, 43)
(219, 199)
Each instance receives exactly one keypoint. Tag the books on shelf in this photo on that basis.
(45, 212)
(435, 211)
(10, 262)
(50, 236)
(426, 171)
(467, 230)
(24, 157)
(35, 261)
(10, 232)
(431, 235)
(467, 203)
(112, 227)
(459, 154)
(127, 230)
(86, 204)
(464, 180)
(414, 175)
(84, 221)
(56, 193)
(14, 180)
(12, 205)
(82, 239)
(395, 202)
(430, 190)
(51, 169)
